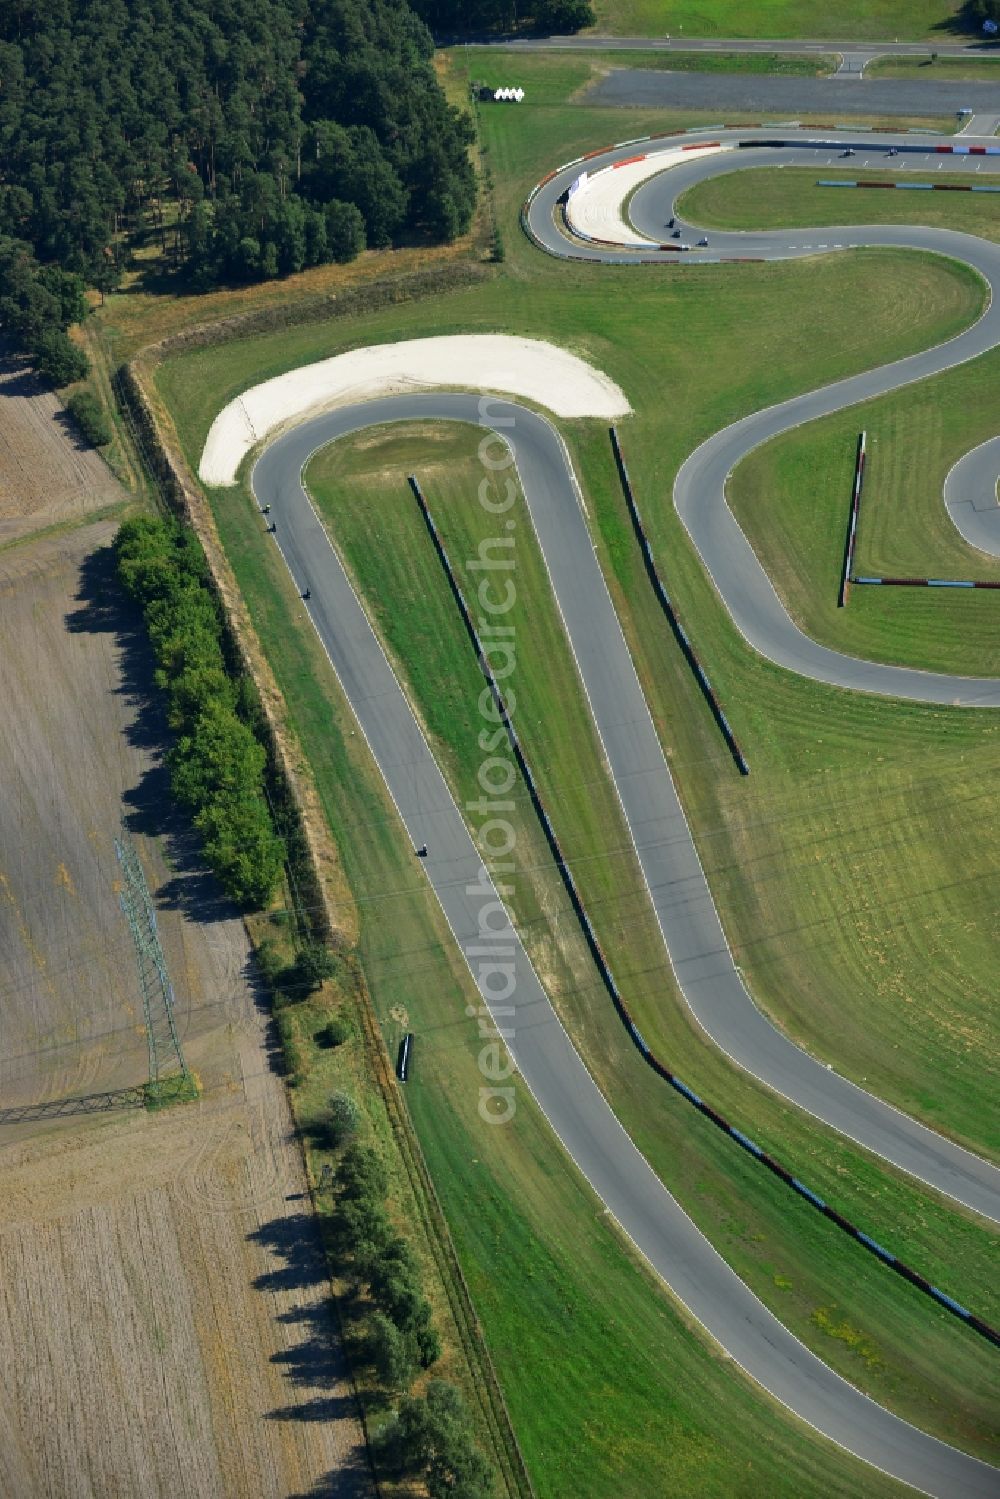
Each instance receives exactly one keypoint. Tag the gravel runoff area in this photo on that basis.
(595, 210)
(837, 96)
(497, 362)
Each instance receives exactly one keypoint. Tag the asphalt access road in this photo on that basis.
(545, 1057)
(837, 97)
(681, 43)
(699, 489)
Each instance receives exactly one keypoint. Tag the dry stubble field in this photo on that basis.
(165, 1323)
(46, 474)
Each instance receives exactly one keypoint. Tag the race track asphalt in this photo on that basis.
(544, 1055)
(699, 489)
(970, 496)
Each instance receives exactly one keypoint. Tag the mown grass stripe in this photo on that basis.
(775, 1167)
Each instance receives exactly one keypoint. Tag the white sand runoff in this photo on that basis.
(494, 362)
(595, 210)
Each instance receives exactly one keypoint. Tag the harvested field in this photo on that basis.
(165, 1318)
(165, 1323)
(47, 473)
(79, 745)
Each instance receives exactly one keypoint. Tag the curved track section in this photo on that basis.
(700, 486)
(688, 919)
(593, 208)
(970, 497)
(545, 1057)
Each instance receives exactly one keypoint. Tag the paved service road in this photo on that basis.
(834, 97)
(681, 43)
(545, 1057)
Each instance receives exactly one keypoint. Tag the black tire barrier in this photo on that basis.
(848, 577)
(917, 187)
(680, 634)
(907, 148)
(931, 582)
(852, 524)
(870, 1245)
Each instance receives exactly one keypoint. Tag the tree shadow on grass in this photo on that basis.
(104, 608)
(967, 23)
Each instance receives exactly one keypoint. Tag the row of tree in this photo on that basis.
(37, 305)
(431, 1436)
(254, 137)
(401, 1338)
(217, 762)
(478, 17)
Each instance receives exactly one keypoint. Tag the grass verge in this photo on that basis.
(727, 342)
(792, 498)
(356, 1065)
(361, 479)
(858, 20)
(557, 75)
(960, 69)
(643, 1403)
(788, 197)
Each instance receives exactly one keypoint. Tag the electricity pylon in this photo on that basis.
(166, 1058)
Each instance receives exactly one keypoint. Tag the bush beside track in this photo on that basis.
(217, 763)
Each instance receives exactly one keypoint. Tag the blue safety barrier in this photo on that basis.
(950, 1302)
(745, 1141)
(929, 187)
(930, 582)
(805, 1192)
(875, 1248)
